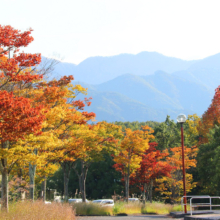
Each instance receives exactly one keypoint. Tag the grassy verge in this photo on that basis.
(127, 208)
(149, 208)
(158, 208)
(91, 209)
(38, 210)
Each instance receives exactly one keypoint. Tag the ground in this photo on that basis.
(130, 217)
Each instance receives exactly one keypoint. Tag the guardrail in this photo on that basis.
(206, 204)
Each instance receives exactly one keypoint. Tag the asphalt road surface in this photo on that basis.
(130, 217)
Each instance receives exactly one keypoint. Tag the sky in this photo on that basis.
(73, 30)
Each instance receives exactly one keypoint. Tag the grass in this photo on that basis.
(157, 208)
(57, 211)
(91, 209)
(127, 208)
(38, 210)
(149, 208)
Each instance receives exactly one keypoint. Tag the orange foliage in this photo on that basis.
(210, 117)
(18, 117)
(11, 40)
(172, 187)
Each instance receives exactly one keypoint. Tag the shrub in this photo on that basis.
(91, 209)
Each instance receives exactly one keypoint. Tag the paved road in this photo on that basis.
(130, 217)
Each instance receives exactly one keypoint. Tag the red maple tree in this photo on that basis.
(152, 167)
(18, 117)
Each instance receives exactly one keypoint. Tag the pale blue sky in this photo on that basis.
(77, 29)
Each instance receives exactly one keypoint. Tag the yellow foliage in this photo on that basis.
(172, 186)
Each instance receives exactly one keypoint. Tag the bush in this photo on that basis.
(38, 210)
(91, 209)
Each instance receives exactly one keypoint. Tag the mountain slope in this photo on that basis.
(139, 89)
(96, 70)
(190, 95)
(161, 91)
(112, 106)
(136, 98)
(205, 71)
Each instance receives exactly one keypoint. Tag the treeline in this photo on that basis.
(202, 150)
(160, 174)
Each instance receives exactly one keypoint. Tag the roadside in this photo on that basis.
(130, 217)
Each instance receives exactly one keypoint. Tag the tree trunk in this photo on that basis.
(127, 184)
(82, 179)
(144, 193)
(83, 175)
(22, 193)
(5, 188)
(43, 189)
(23, 196)
(4, 171)
(66, 172)
(150, 190)
(32, 171)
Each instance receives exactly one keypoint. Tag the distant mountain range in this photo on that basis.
(146, 86)
(96, 70)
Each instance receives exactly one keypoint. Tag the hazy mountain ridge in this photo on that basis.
(113, 106)
(150, 95)
(96, 70)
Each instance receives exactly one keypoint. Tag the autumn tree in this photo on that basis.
(129, 155)
(93, 142)
(210, 118)
(172, 186)
(153, 166)
(191, 131)
(68, 152)
(18, 116)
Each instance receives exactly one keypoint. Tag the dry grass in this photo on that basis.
(91, 209)
(38, 210)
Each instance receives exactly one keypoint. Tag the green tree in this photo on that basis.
(167, 134)
(209, 163)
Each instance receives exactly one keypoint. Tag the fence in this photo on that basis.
(201, 204)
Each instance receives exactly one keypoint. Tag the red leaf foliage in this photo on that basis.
(152, 167)
(18, 117)
(10, 42)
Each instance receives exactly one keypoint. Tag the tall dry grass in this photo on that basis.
(28, 210)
